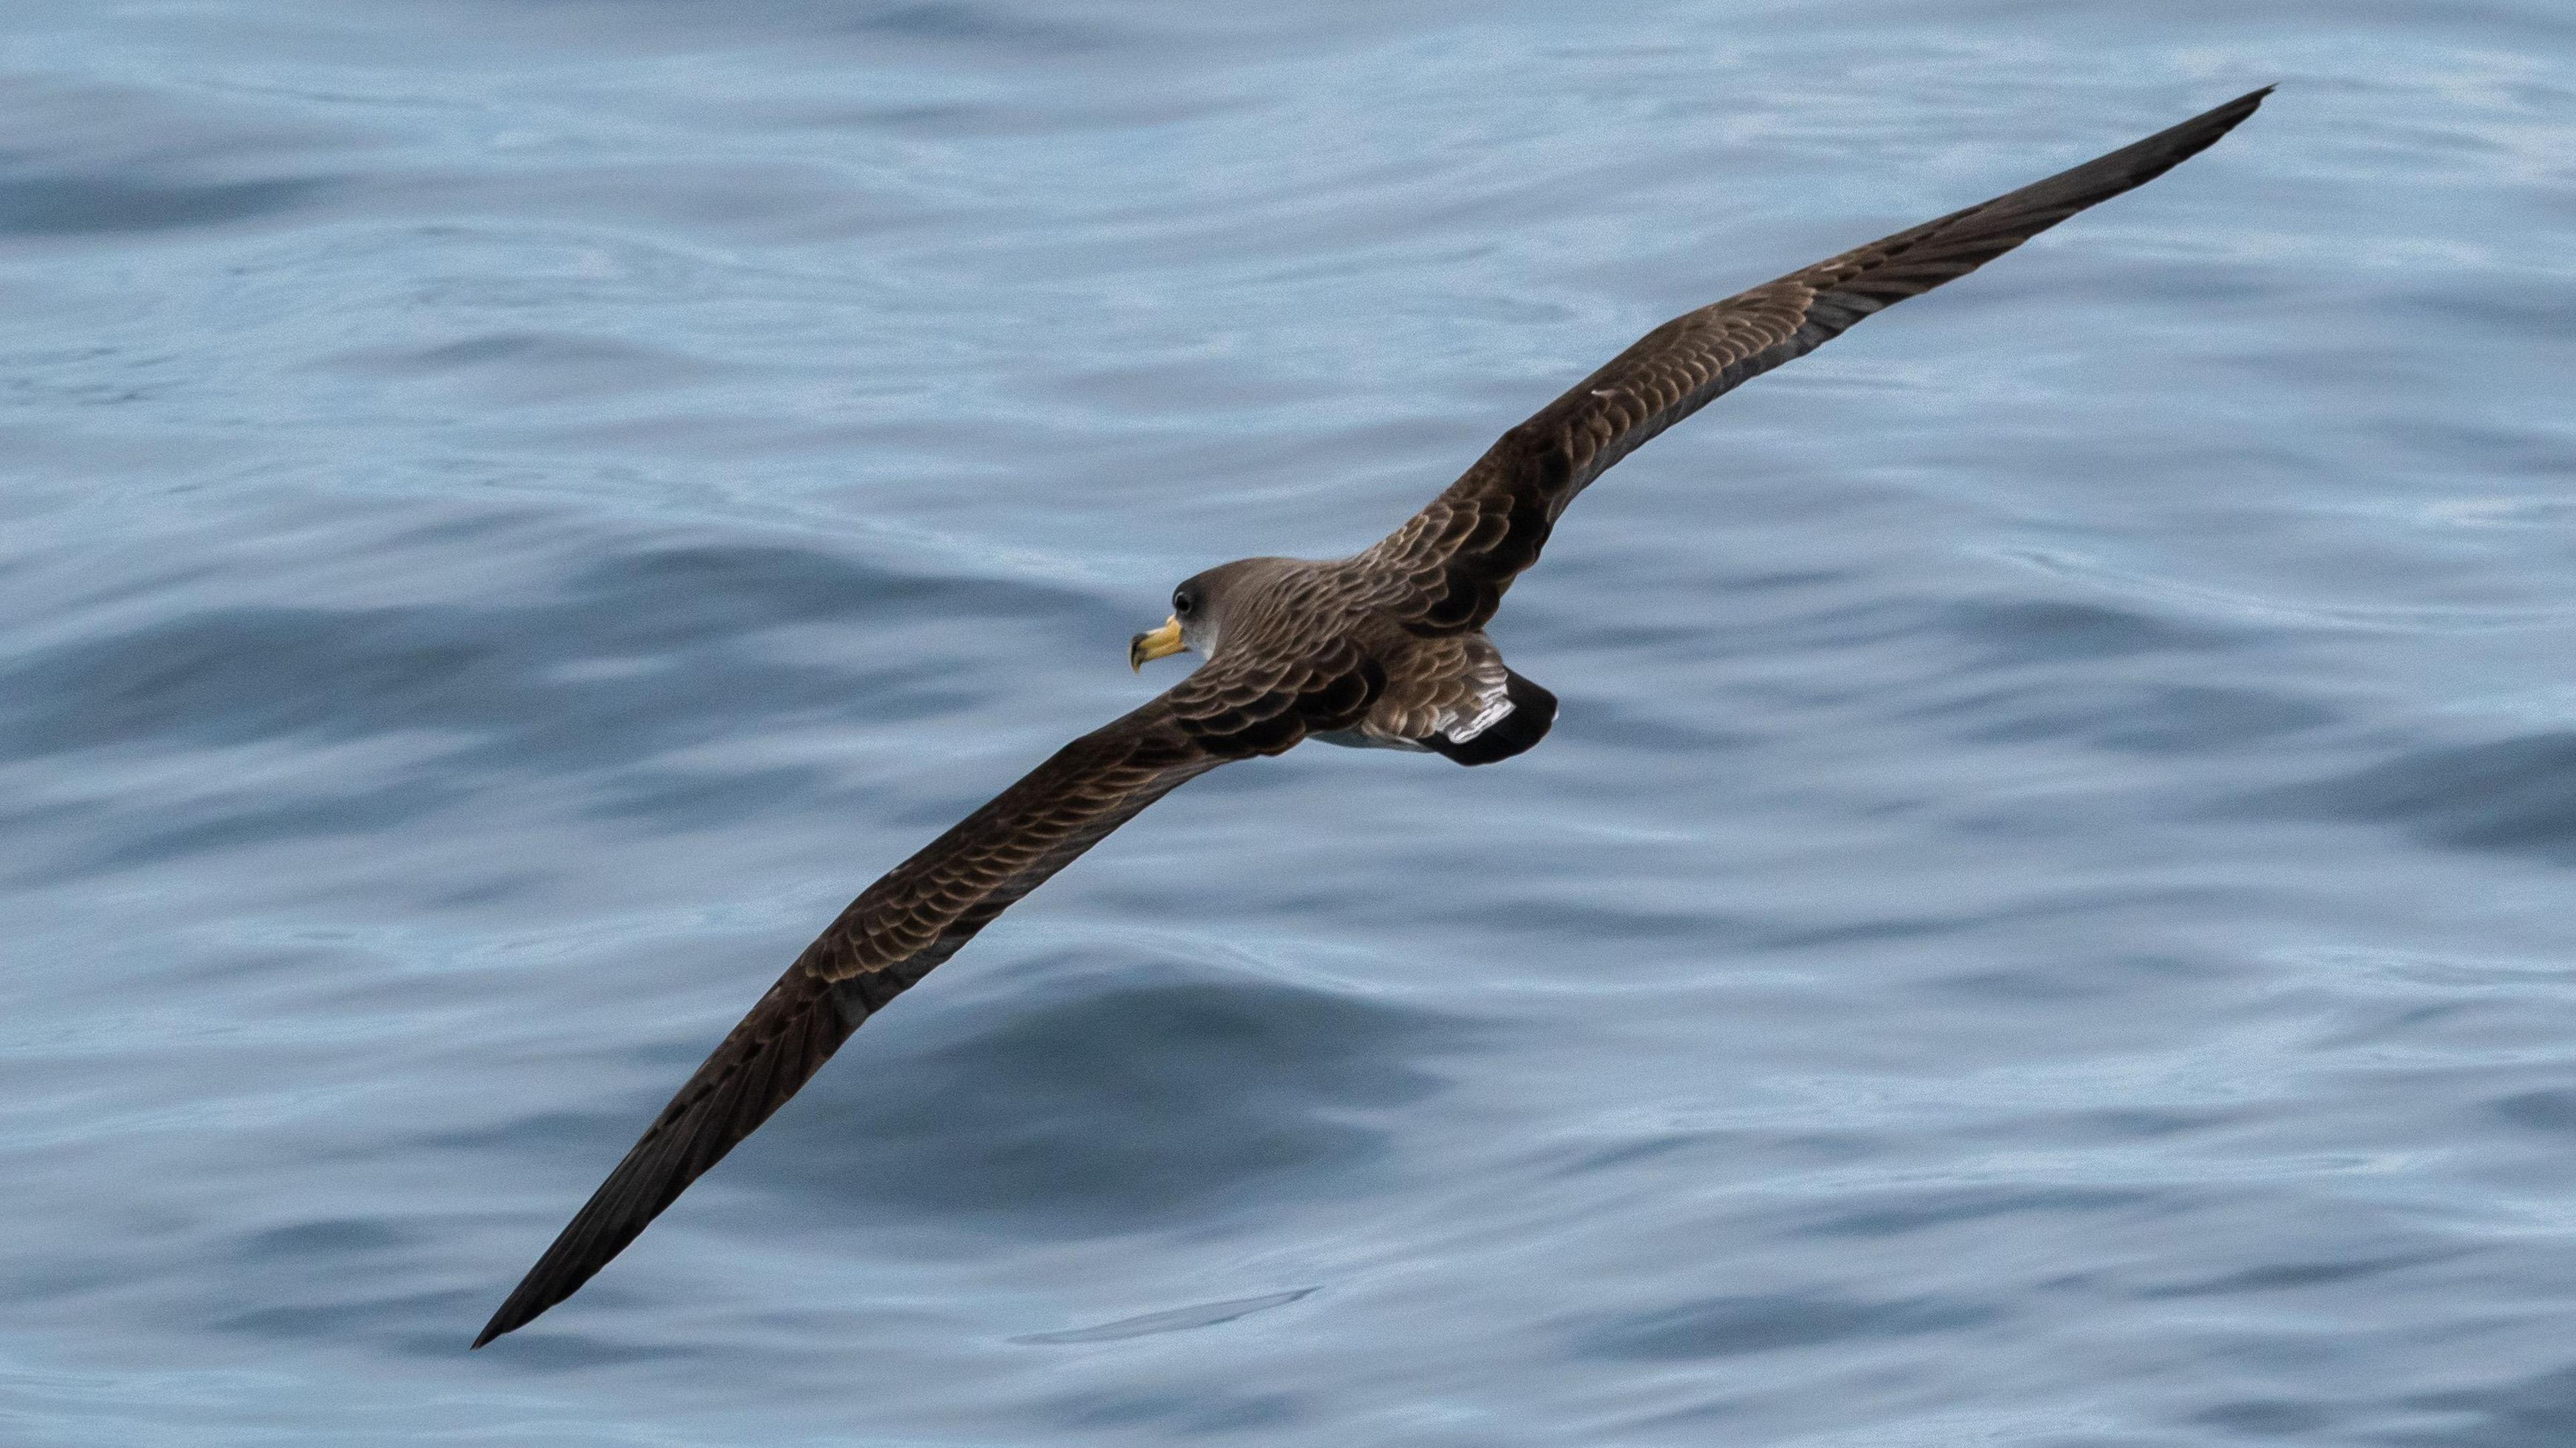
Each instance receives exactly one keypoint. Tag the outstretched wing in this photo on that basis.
(906, 924)
(1453, 559)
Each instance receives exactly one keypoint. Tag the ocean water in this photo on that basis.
(2048, 917)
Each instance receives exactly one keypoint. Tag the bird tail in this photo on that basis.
(1533, 712)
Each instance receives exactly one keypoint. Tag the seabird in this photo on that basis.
(1384, 648)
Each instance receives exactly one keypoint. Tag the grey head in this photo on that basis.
(1238, 598)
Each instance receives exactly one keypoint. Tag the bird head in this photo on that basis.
(1256, 593)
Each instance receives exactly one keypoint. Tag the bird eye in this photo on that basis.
(1181, 604)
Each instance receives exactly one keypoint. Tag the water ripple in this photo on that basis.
(2044, 919)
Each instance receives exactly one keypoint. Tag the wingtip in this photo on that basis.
(2229, 114)
(2168, 148)
(2236, 112)
(514, 1314)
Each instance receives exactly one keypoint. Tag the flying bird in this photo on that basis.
(1385, 648)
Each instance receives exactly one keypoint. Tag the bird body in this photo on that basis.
(1384, 648)
(1429, 688)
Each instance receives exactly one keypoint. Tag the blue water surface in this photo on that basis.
(2048, 917)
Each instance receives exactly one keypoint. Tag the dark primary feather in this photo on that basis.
(1455, 558)
(906, 924)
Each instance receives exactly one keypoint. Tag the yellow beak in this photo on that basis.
(1147, 647)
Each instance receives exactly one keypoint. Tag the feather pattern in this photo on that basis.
(1445, 570)
(1386, 646)
(905, 925)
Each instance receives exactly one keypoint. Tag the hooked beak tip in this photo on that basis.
(1147, 647)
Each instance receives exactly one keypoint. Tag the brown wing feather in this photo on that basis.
(1453, 560)
(906, 924)
(890, 937)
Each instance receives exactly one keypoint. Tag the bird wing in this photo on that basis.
(1450, 563)
(906, 924)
